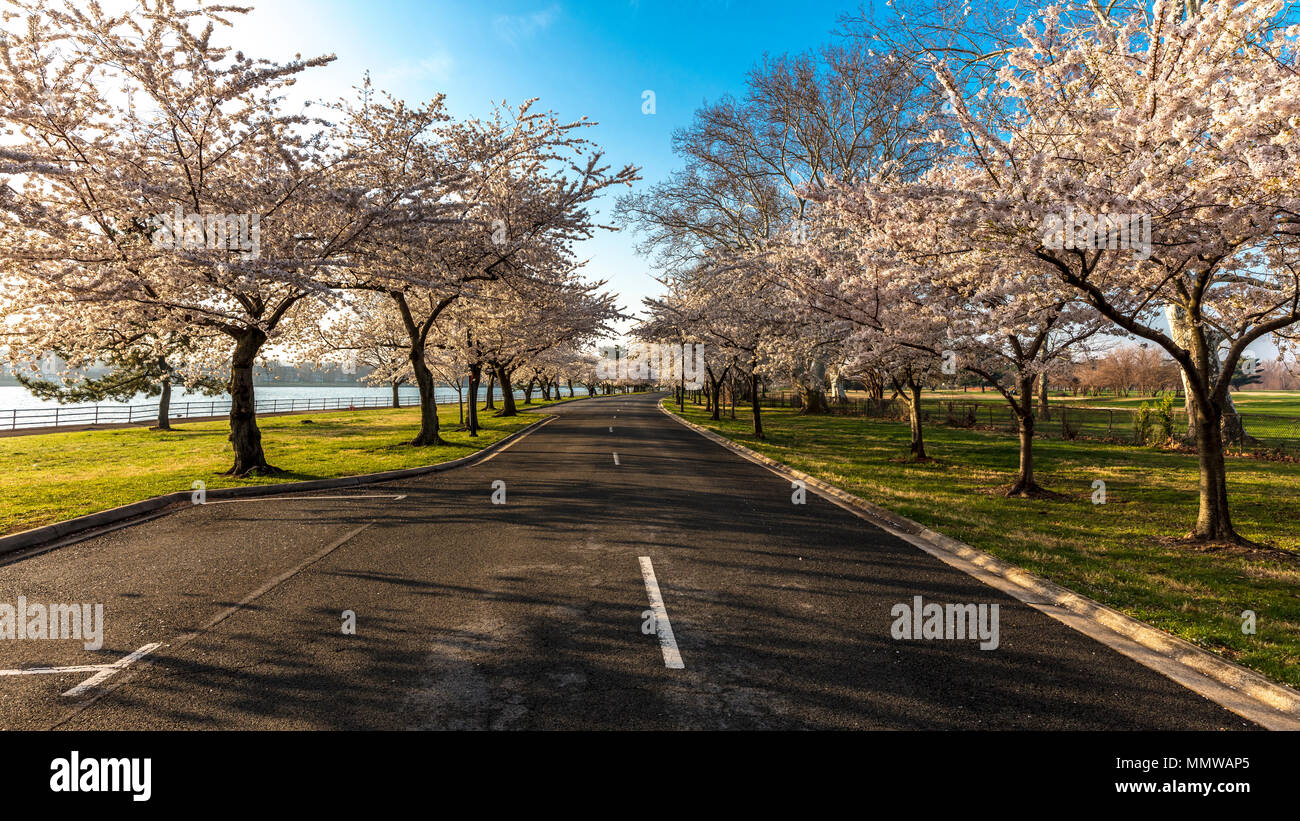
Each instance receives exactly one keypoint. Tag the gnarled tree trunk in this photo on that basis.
(507, 393)
(910, 390)
(428, 434)
(165, 404)
(1213, 521)
(245, 437)
(1024, 411)
(471, 417)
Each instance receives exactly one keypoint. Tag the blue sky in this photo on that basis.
(580, 58)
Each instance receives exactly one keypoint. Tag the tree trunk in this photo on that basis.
(1025, 484)
(165, 404)
(397, 400)
(570, 383)
(528, 391)
(1213, 522)
(428, 434)
(715, 389)
(758, 413)
(471, 418)
(492, 386)
(245, 438)
(507, 394)
(1234, 430)
(814, 401)
(913, 397)
(1043, 410)
(1185, 334)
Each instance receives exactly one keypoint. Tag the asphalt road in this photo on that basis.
(529, 614)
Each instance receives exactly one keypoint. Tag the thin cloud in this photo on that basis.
(515, 28)
(437, 67)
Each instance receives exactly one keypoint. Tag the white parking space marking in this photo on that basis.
(118, 666)
(101, 671)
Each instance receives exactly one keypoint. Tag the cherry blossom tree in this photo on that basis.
(525, 182)
(139, 144)
(1180, 115)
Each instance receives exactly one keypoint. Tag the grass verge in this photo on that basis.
(1124, 553)
(50, 477)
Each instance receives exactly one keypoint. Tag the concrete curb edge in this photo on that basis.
(114, 516)
(1236, 688)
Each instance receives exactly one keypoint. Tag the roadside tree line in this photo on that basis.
(998, 193)
(163, 209)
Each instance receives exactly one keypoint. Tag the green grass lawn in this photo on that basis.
(1280, 403)
(50, 477)
(1120, 553)
(1272, 417)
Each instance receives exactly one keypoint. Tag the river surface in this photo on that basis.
(16, 396)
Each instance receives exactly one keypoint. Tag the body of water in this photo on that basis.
(16, 396)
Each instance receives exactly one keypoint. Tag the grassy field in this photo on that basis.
(50, 477)
(1272, 417)
(1124, 553)
(1281, 403)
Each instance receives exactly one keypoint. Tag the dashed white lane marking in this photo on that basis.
(103, 675)
(611, 428)
(667, 642)
(616, 457)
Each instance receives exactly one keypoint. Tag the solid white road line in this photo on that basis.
(616, 457)
(103, 675)
(83, 668)
(40, 671)
(667, 642)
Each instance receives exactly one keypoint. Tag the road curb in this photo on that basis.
(124, 515)
(1236, 688)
